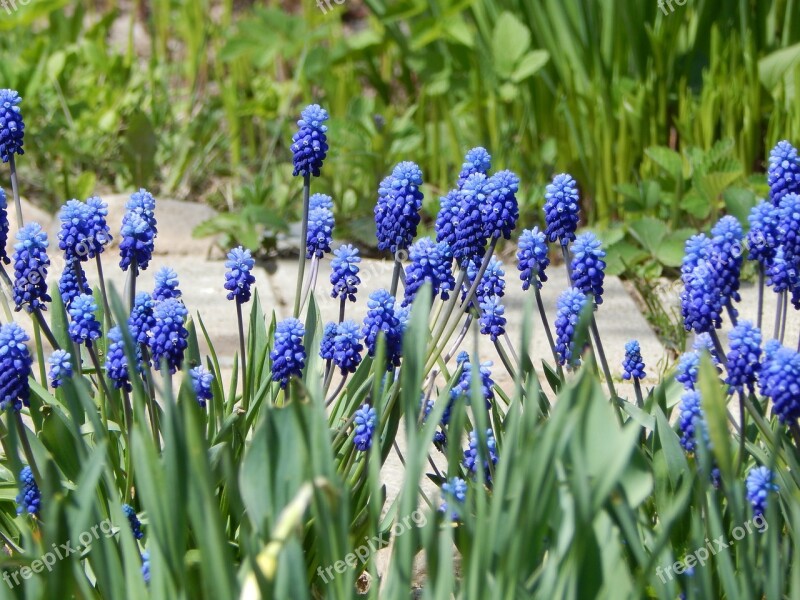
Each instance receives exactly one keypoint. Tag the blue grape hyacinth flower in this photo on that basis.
(30, 268)
(568, 313)
(492, 320)
(15, 367)
(447, 222)
(463, 387)
(99, 231)
(364, 422)
(72, 282)
(29, 500)
(84, 327)
(239, 277)
(454, 496)
(727, 248)
(687, 371)
(319, 234)
(12, 125)
(344, 272)
(588, 266)
(760, 483)
(691, 421)
(501, 211)
(169, 335)
(532, 258)
(166, 284)
(133, 521)
(470, 234)
(762, 239)
(561, 209)
(382, 316)
(743, 359)
(633, 364)
(702, 302)
(489, 453)
(397, 209)
(81, 226)
(310, 144)
(326, 344)
(789, 229)
(780, 381)
(139, 230)
(141, 320)
(429, 263)
(492, 282)
(202, 380)
(347, 347)
(3, 227)
(116, 361)
(60, 364)
(288, 353)
(477, 160)
(320, 201)
(783, 173)
(146, 566)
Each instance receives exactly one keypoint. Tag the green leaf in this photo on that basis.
(779, 67)
(696, 205)
(533, 62)
(739, 202)
(649, 232)
(667, 159)
(671, 250)
(510, 42)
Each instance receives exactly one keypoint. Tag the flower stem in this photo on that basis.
(718, 346)
(760, 293)
(784, 314)
(778, 311)
(602, 356)
(37, 313)
(15, 189)
(395, 276)
(338, 389)
(742, 430)
(731, 313)
(26, 446)
(301, 266)
(103, 291)
(312, 281)
(474, 287)
(543, 315)
(240, 322)
(565, 254)
(132, 285)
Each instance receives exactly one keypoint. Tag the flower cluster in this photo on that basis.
(320, 227)
(743, 357)
(310, 144)
(454, 496)
(569, 307)
(29, 500)
(430, 263)
(633, 365)
(532, 258)
(691, 421)
(364, 422)
(12, 126)
(488, 453)
(588, 266)
(84, 327)
(116, 361)
(141, 320)
(288, 354)
(398, 206)
(347, 347)
(561, 209)
(780, 381)
(344, 272)
(3, 227)
(15, 367)
(238, 277)
(383, 316)
(783, 174)
(166, 284)
(169, 335)
(60, 364)
(30, 268)
(72, 282)
(501, 211)
(84, 231)
(133, 521)
(760, 483)
(138, 231)
(463, 387)
(701, 299)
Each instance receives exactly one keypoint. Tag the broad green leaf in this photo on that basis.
(510, 41)
(667, 159)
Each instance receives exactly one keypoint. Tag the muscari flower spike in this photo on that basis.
(60, 367)
(15, 367)
(532, 258)
(633, 365)
(454, 495)
(691, 421)
(347, 347)
(344, 272)
(477, 160)
(326, 345)
(99, 231)
(166, 284)
(470, 233)
(760, 483)
(687, 371)
(703, 343)
(133, 521)
(789, 229)
(83, 229)
(72, 282)
(169, 335)
(568, 313)
(743, 357)
(12, 126)
(288, 353)
(762, 239)
(141, 320)
(138, 231)
(463, 387)
(501, 211)
(3, 227)
(398, 206)
(146, 566)
(492, 320)
(489, 453)
(588, 266)
(780, 381)
(202, 380)
(492, 282)
(364, 422)
(429, 263)
(447, 224)
(727, 247)
(116, 361)
(310, 144)
(320, 201)
(782, 277)
(29, 500)
(783, 173)
(701, 300)
(30, 268)
(561, 208)
(382, 316)
(238, 277)
(320, 232)
(84, 327)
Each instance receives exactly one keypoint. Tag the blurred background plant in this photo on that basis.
(661, 117)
